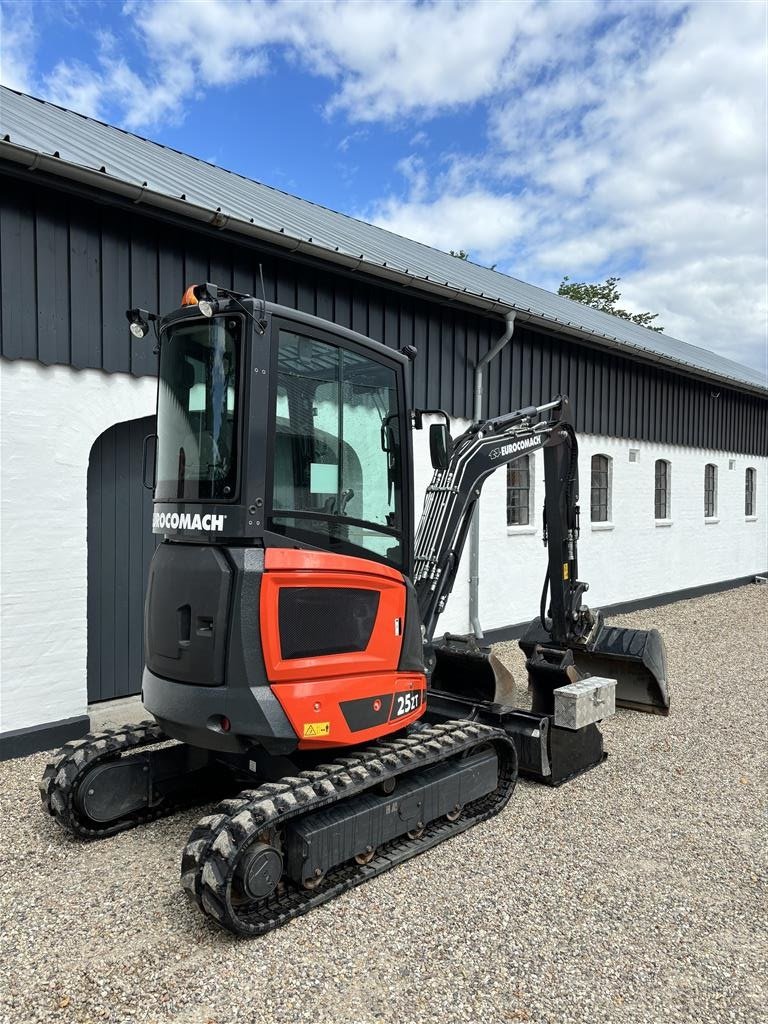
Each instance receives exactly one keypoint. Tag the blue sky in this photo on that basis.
(580, 138)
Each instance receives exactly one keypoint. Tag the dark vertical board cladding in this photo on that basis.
(589, 406)
(555, 387)
(106, 538)
(625, 421)
(221, 269)
(573, 378)
(460, 359)
(53, 282)
(416, 327)
(526, 396)
(17, 259)
(85, 270)
(139, 531)
(342, 306)
(608, 395)
(324, 298)
(546, 389)
(305, 296)
(170, 278)
(120, 545)
(359, 312)
(67, 262)
(121, 590)
(94, 603)
(537, 392)
(144, 295)
(116, 339)
(434, 394)
(197, 266)
(245, 274)
(594, 380)
(391, 325)
(516, 373)
(375, 319)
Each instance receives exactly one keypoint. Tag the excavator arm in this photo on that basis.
(455, 489)
(567, 640)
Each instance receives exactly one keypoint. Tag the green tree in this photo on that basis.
(605, 296)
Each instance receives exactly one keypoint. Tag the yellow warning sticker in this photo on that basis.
(312, 729)
(565, 570)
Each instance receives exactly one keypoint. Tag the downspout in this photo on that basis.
(474, 532)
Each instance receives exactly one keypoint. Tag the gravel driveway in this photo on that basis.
(635, 893)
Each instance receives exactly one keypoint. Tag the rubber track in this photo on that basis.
(63, 775)
(218, 842)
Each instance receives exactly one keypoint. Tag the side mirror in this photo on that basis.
(440, 445)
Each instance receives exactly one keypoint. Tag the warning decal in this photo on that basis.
(312, 729)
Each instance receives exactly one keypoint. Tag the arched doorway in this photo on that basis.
(120, 546)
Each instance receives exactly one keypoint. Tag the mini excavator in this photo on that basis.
(291, 612)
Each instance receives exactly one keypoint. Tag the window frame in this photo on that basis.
(237, 455)
(664, 512)
(607, 487)
(750, 490)
(710, 510)
(400, 533)
(527, 464)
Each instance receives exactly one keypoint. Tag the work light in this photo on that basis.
(138, 320)
(207, 302)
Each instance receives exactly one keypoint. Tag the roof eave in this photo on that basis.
(35, 160)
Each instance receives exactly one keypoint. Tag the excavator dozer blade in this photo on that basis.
(635, 658)
(464, 669)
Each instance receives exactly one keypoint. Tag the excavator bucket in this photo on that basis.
(464, 669)
(635, 658)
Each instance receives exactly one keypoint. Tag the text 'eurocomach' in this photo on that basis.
(187, 521)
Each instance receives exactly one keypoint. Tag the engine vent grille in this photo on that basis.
(325, 620)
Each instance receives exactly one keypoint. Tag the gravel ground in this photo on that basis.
(633, 894)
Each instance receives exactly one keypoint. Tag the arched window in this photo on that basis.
(710, 490)
(662, 480)
(749, 492)
(601, 488)
(520, 491)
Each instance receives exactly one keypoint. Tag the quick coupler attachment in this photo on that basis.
(635, 658)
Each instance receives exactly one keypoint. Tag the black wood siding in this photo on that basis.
(69, 268)
(120, 547)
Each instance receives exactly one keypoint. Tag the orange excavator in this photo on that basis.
(291, 613)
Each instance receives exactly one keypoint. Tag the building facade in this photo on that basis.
(673, 441)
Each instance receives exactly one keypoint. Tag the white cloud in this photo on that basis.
(17, 47)
(487, 225)
(387, 60)
(648, 163)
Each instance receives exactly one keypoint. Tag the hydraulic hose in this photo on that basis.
(545, 622)
(573, 466)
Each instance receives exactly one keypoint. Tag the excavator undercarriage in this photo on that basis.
(292, 669)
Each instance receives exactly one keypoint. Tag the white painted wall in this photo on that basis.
(49, 418)
(629, 558)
